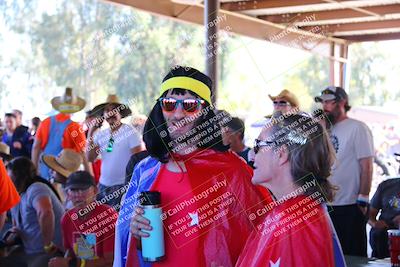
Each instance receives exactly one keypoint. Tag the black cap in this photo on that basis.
(150, 198)
(332, 93)
(80, 180)
(235, 124)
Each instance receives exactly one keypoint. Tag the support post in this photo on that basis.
(211, 9)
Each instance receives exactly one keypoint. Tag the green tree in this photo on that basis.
(367, 75)
(99, 48)
(308, 79)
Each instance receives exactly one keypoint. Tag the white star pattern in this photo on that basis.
(276, 264)
(195, 218)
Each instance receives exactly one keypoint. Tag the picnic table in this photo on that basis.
(354, 261)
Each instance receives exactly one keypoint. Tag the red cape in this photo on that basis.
(222, 240)
(292, 234)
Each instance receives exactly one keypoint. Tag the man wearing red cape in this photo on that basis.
(207, 197)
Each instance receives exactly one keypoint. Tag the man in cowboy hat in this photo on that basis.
(116, 144)
(62, 165)
(59, 132)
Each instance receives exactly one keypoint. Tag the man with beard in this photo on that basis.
(352, 171)
(206, 192)
(115, 144)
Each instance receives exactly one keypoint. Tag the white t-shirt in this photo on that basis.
(114, 163)
(352, 141)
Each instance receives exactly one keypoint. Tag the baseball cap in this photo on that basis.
(331, 93)
(80, 180)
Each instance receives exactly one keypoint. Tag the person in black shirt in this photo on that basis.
(17, 137)
(386, 200)
(233, 135)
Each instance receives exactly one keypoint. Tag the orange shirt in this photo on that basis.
(74, 136)
(9, 196)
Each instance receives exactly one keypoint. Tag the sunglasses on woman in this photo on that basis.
(258, 144)
(170, 104)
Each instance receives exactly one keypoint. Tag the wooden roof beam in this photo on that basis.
(238, 23)
(373, 37)
(321, 16)
(261, 4)
(271, 7)
(374, 25)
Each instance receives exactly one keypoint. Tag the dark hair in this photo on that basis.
(158, 144)
(24, 175)
(236, 125)
(311, 154)
(10, 115)
(36, 121)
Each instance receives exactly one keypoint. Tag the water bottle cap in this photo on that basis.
(150, 198)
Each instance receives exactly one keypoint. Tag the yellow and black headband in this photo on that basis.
(188, 83)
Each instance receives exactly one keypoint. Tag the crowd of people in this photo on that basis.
(69, 191)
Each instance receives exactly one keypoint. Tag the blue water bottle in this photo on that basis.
(153, 246)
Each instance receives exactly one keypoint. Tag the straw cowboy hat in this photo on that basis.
(67, 162)
(68, 103)
(123, 109)
(5, 151)
(288, 96)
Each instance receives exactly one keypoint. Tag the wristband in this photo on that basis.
(363, 198)
(362, 203)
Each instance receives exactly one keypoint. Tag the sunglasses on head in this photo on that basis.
(258, 144)
(327, 92)
(170, 104)
(281, 103)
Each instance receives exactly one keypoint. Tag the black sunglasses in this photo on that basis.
(281, 103)
(170, 104)
(258, 144)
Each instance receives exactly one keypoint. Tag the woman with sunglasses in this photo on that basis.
(205, 188)
(293, 159)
